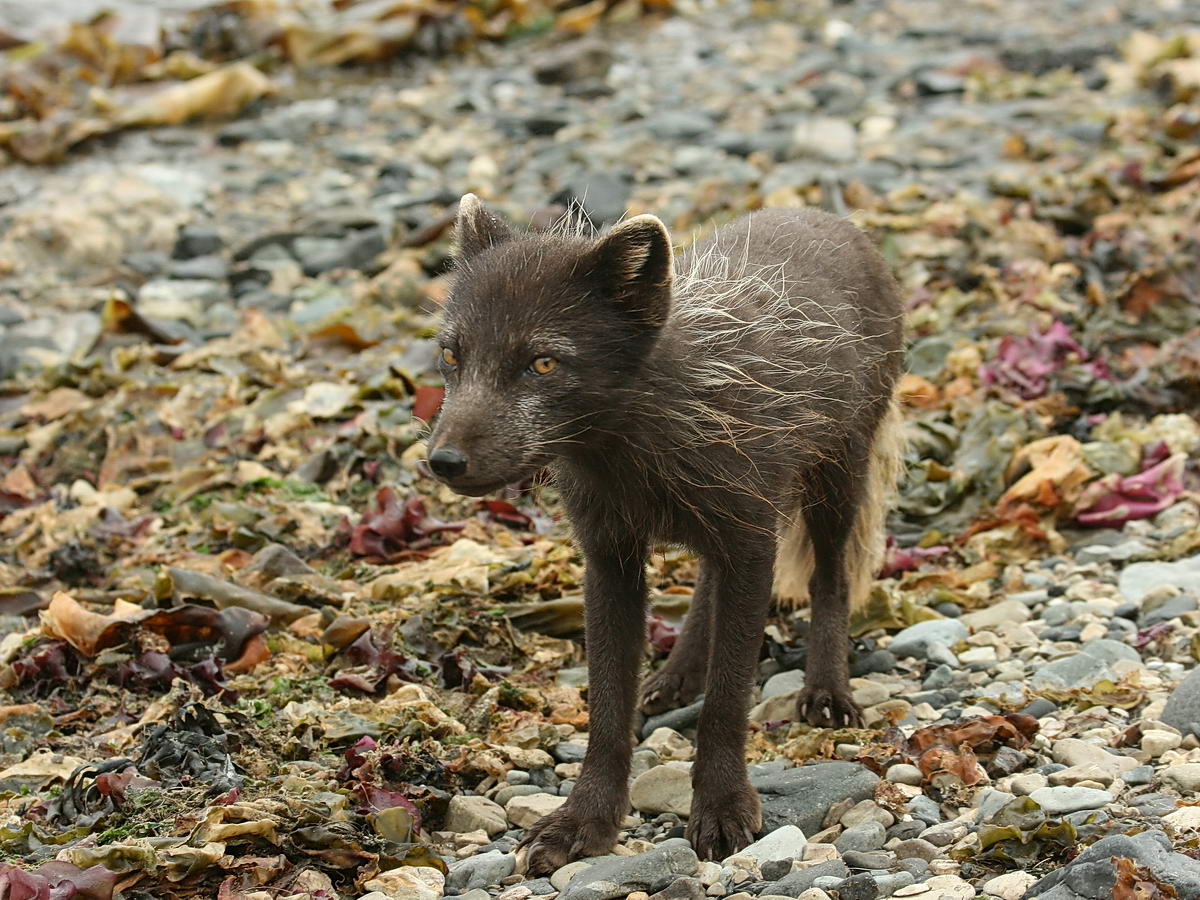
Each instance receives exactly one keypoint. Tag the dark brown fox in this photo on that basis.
(738, 401)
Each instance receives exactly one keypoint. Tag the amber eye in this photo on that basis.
(448, 357)
(543, 365)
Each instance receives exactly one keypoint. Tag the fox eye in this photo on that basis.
(543, 365)
(449, 358)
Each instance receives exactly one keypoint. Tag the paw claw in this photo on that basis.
(720, 828)
(556, 839)
(666, 690)
(829, 708)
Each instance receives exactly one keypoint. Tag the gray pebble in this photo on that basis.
(892, 882)
(1183, 706)
(868, 859)
(1139, 776)
(925, 809)
(858, 887)
(864, 836)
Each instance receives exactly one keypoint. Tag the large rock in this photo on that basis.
(1183, 706)
(1010, 885)
(802, 796)
(409, 883)
(682, 888)
(794, 884)
(1083, 669)
(603, 196)
(669, 744)
(825, 138)
(619, 876)
(103, 216)
(1058, 801)
(1184, 777)
(479, 871)
(861, 837)
(1092, 874)
(474, 814)
(525, 811)
(916, 640)
(1006, 612)
(1075, 752)
(783, 843)
(783, 683)
(778, 708)
(663, 789)
(1139, 579)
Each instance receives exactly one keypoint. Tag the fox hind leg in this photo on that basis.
(681, 678)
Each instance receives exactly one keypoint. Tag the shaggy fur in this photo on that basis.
(738, 400)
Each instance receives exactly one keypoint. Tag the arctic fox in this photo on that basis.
(739, 401)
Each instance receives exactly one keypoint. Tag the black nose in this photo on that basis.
(447, 462)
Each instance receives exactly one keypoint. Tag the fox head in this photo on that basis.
(542, 335)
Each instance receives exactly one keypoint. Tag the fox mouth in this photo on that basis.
(475, 488)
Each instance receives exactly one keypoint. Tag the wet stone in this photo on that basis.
(905, 830)
(925, 809)
(802, 796)
(876, 662)
(603, 196)
(683, 888)
(890, 883)
(619, 876)
(675, 719)
(1139, 776)
(569, 752)
(197, 240)
(858, 887)
(917, 639)
(781, 845)
(1062, 800)
(1154, 804)
(794, 884)
(1093, 872)
(867, 859)
(915, 848)
(864, 836)
(1184, 777)
(211, 268)
(902, 773)
(479, 871)
(1040, 707)
(516, 790)
(940, 677)
(1183, 705)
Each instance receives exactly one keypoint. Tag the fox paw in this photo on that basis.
(669, 689)
(723, 825)
(826, 707)
(557, 838)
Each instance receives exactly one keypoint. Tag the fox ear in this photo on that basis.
(479, 228)
(634, 263)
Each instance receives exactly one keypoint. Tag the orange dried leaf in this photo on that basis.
(253, 653)
(85, 630)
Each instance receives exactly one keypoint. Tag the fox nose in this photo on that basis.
(447, 462)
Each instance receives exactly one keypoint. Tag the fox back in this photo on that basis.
(672, 397)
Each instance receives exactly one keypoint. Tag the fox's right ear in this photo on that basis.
(478, 227)
(634, 264)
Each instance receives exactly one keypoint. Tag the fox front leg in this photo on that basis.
(615, 625)
(726, 811)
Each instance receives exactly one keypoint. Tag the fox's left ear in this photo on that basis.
(634, 264)
(479, 228)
